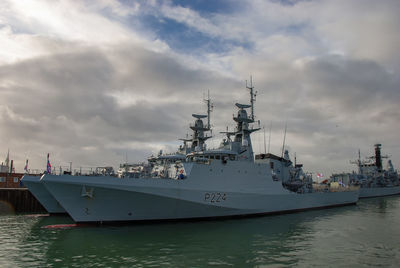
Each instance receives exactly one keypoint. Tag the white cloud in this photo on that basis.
(39, 28)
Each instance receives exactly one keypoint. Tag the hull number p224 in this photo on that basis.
(214, 197)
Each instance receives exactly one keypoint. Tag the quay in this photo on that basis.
(19, 200)
(15, 197)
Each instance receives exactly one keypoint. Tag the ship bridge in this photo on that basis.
(210, 155)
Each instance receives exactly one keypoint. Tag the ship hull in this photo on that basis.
(39, 191)
(379, 191)
(106, 199)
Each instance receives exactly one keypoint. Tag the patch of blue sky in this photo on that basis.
(205, 7)
(182, 38)
(288, 2)
(294, 29)
(17, 28)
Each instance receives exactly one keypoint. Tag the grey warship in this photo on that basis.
(373, 179)
(194, 183)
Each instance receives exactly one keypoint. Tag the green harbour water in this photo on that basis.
(365, 235)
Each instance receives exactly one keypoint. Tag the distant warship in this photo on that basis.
(373, 180)
(196, 182)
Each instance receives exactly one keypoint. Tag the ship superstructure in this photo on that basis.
(290, 174)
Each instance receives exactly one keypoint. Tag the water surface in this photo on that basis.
(364, 235)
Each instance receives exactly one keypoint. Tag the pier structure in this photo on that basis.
(15, 197)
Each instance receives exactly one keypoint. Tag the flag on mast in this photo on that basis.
(48, 164)
(26, 166)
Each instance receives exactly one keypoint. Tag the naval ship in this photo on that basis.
(195, 182)
(374, 181)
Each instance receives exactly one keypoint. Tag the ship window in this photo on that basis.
(231, 157)
(217, 157)
(2, 179)
(211, 157)
(16, 179)
(271, 164)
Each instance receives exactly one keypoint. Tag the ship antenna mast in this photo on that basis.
(269, 138)
(210, 107)
(252, 96)
(358, 162)
(265, 146)
(284, 139)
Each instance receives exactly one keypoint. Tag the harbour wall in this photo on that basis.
(11, 180)
(19, 200)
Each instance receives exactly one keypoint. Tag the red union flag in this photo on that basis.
(26, 166)
(48, 164)
(320, 175)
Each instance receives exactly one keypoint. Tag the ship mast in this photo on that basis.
(242, 141)
(284, 140)
(358, 162)
(252, 96)
(269, 138)
(198, 138)
(210, 107)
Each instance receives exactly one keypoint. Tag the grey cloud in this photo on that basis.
(61, 103)
(333, 105)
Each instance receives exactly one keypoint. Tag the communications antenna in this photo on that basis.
(210, 108)
(284, 139)
(252, 96)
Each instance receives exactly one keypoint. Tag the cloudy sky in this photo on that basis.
(94, 82)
